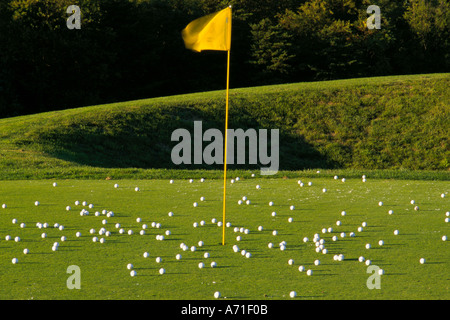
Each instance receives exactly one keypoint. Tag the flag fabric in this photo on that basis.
(211, 32)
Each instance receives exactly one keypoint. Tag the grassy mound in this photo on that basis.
(392, 123)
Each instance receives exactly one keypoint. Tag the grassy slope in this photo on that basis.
(357, 125)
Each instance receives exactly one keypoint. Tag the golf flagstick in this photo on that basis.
(213, 32)
(225, 146)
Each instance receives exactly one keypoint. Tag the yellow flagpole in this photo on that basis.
(225, 146)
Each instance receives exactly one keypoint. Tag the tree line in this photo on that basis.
(132, 49)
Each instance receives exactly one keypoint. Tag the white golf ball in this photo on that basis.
(381, 242)
(26, 251)
(217, 294)
(133, 273)
(309, 272)
(61, 228)
(258, 186)
(396, 232)
(274, 214)
(146, 255)
(136, 189)
(239, 202)
(14, 221)
(4, 206)
(292, 207)
(206, 255)
(170, 214)
(36, 203)
(129, 266)
(338, 223)
(214, 264)
(271, 203)
(178, 256)
(364, 224)
(316, 262)
(116, 185)
(248, 255)
(290, 219)
(412, 202)
(292, 294)
(361, 259)
(301, 268)
(202, 198)
(422, 260)
(130, 232)
(162, 271)
(368, 262)
(305, 239)
(201, 265)
(368, 246)
(260, 228)
(247, 202)
(274, 232)
(137, 220)
(444, 238)
(14, 260)
(380, 203)
(158, 259)
(391, 212)
(324, 190)
(78, 234)
(270, 245)
(416, 208)
(43, 235)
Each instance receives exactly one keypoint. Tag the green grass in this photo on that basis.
(266, 275)
(397, 123)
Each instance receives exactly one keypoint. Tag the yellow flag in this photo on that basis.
(211, 32)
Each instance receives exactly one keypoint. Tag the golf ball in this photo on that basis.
(292, 294)
(217, 294)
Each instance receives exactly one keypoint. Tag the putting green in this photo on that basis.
(43, 273)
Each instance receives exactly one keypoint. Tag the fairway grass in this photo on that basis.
(42, 274)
